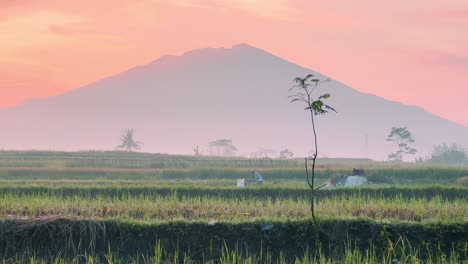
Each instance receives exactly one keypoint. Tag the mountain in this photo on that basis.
(241, 93)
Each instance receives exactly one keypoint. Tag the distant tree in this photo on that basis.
(401, 136)
(128, 141)
(302, 92)
(451, 155)
(266, 153)
(196, 151)
(223, 147)
(419, 160)
(286, 154)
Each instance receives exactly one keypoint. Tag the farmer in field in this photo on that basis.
(257, 177)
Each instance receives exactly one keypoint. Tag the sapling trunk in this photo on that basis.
(316, 106)
(313, 158)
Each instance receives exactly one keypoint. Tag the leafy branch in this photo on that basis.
(302, 92)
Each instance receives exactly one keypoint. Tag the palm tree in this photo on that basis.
(128, 142)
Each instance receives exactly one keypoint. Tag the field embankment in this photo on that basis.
(198, 241)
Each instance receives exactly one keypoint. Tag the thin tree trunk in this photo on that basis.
(314, 158)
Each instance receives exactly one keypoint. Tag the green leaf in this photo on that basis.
(324, 96)
(330, 108)
(317, 107)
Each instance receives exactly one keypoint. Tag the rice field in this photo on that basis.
(86, 207)
(283, 176)
(149, 207)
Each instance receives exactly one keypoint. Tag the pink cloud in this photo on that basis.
(6, 4)
(69, 29)
(445, 59)
(459, 14)
(454, 60)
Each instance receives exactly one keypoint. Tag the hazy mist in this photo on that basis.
(241, 93)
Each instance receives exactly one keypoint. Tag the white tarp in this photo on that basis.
(355, 181)
(241, 183)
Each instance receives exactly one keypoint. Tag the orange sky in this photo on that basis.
(415, 52)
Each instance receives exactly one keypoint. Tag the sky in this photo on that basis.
(414, 52)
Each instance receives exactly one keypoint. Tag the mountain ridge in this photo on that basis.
(239, 92)
(166, 57)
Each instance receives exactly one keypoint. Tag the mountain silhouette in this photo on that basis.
(241, 93)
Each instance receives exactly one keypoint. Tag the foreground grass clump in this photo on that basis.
(239, 257)
(328, 241)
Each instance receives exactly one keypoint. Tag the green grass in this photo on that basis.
(238, 256)
(219, 189)
(148, 206)
(336, 241)
(122, 159)
(119, 207)
(377, 175)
